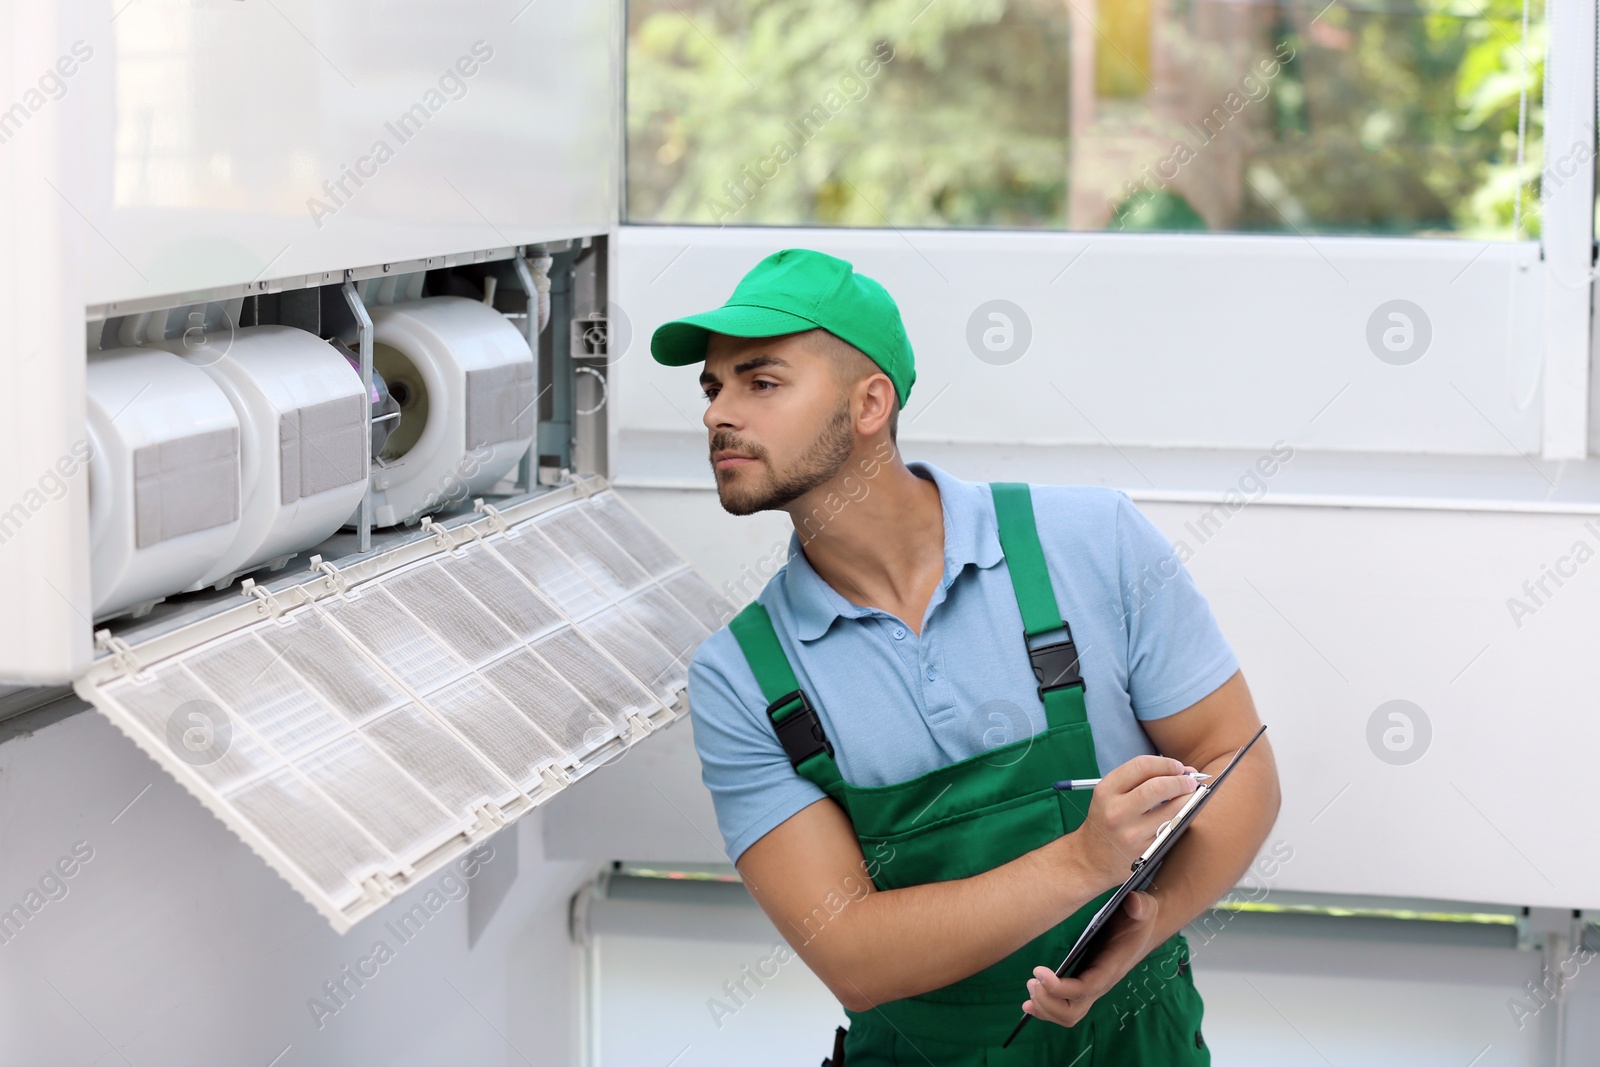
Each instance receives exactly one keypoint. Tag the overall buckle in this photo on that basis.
(800, 732)
(1055, 665)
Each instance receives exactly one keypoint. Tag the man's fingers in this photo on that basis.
(1075, 988)
(1154, 792)
(1141, 907)
(1123, 779)
(1052, 1008)
(1138, 829)
(1065, 1001)
(1145, 805)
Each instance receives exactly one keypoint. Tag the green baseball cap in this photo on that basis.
(798, 289)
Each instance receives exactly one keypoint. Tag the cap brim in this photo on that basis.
(683, 341)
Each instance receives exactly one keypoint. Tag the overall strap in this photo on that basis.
(1055, 663)
(796, 721)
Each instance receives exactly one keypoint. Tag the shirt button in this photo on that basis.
(930, 674)
(899, 633)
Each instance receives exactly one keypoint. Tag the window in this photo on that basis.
(1385, 118)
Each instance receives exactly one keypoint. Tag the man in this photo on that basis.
(880, 729)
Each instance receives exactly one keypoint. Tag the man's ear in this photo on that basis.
(877, 399)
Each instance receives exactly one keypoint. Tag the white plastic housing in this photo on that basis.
(163, 476)
(467, 378)
(303, 450)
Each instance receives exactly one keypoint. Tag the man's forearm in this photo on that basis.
(901, 942)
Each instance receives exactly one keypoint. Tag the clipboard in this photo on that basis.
(1144, 872)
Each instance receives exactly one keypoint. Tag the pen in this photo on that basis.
(1090, 783)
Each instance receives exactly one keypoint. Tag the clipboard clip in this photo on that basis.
(1196, 798)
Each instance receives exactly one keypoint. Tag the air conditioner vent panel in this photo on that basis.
(361, 729)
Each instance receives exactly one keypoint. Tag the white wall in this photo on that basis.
(176, 945)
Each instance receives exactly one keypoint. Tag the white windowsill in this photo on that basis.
(655, 459)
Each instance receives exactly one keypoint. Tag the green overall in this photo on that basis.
(975, 815)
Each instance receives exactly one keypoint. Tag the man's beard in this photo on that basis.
(816, 465)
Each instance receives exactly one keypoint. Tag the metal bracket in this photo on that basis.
(441, 534)
(535, 278)
(496, 522)
(1536, 924)
(590, 336)
(364, 346)
(121, 654)
(332, 576)
(267, 604)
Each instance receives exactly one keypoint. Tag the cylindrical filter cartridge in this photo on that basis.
(303, 456)
(164, 478)
(464, 379)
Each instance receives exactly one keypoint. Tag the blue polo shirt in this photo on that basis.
(897, 705)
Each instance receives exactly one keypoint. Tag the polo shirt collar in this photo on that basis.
(971, 535)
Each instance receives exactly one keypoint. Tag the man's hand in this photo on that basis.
(1067, 1000)
(1128, 806)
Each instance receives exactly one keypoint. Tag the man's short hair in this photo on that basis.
(851, 365)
